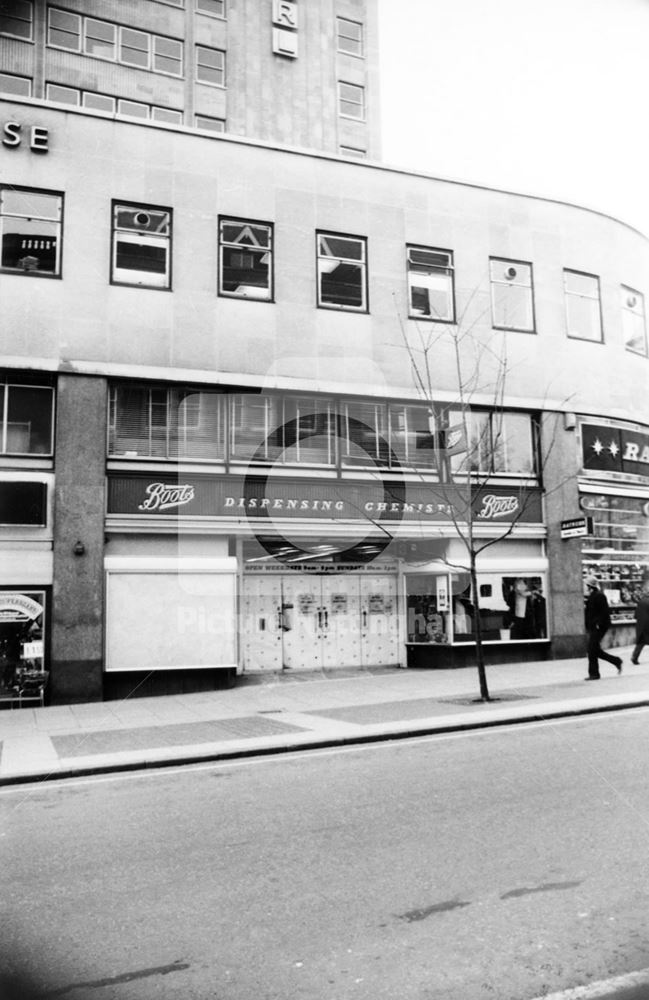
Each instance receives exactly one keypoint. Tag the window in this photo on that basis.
(167, 115)
(100, 39)
(365, 434)
(64, 30)
(430, 284)
(21, 86)
(633, 321)
(31, 231)
(104, 40)
(99, 102)
(62, 95)
(210, 66)
(342, 271)
(245, 259)
(134, 48)
(141, 246)
(214, 7)
(149, 422)
(412, 436)
(209, 124)
(167, 56)
(26, 419)
(350, 36)
(16, 19)
(498, 443)
(583, 313)
(512, 306)
(290, 430)
(351, 101)
(133, 109)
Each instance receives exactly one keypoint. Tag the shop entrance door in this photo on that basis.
(261, 623)
(304, 622)
(379, 621)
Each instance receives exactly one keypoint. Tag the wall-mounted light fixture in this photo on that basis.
(569, 421)
(79, 549)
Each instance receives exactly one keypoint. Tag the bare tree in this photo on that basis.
(468, 450)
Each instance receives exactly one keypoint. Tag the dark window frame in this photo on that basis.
(143, 207)
(566, 294)
(224, 220)
(512, 263)
(26, 271)
(363, 261)
(450, 267)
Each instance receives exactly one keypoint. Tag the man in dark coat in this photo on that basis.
(598, 622)
(641, 624)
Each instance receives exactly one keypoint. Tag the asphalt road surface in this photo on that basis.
(500, 865)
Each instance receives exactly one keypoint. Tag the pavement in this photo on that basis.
(277, 713)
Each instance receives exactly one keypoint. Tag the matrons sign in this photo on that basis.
(259, 497)
(576, 526)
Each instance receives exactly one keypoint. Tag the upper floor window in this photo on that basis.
(214, 7)
(583, 311)
(210, 66)
(394, 436)
(21, 86)
(284, 430)
(512, 303)
(633, 321)
(105, 40)
(30, 231)
(26, 419)
(16, 19)
(430, 284)
(245, 259)
(150, 422)
(342, 271)
(209, 124)
(141, 246)
(498, 442)
(350, 36)
(351, 100)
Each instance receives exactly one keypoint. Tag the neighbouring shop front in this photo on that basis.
(614, 492)
(305, 574)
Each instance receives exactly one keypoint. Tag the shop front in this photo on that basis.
(312, 574)
(614, 495)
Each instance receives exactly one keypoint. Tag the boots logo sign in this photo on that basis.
(493, 506)
(162, 496)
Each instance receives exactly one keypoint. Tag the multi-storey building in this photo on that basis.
(215, 453)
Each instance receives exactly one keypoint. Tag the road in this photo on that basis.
(489, 866)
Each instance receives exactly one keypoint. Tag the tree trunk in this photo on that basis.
(479, 652)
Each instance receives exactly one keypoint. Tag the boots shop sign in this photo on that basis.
(255, 497)
(617, 451)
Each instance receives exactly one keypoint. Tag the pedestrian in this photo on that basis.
(641, 623)
(598, 622)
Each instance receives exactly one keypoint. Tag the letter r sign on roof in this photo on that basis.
(285, 13)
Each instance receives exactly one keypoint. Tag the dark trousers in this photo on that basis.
(638, 649)
(595, 652)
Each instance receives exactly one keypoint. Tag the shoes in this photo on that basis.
(591, 678)
(619, 665)
(634, 662)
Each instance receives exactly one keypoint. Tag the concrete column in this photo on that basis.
(77, 605)
(561, 468)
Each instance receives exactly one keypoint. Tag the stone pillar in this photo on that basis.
(560, 472)
(78, 592)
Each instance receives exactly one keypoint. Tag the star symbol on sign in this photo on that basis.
(613, 448)
(597, 446)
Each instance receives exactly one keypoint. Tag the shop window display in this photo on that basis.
(22, 672)
(511, 608)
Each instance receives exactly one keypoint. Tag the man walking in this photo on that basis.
(641, 623)
(598, 622)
